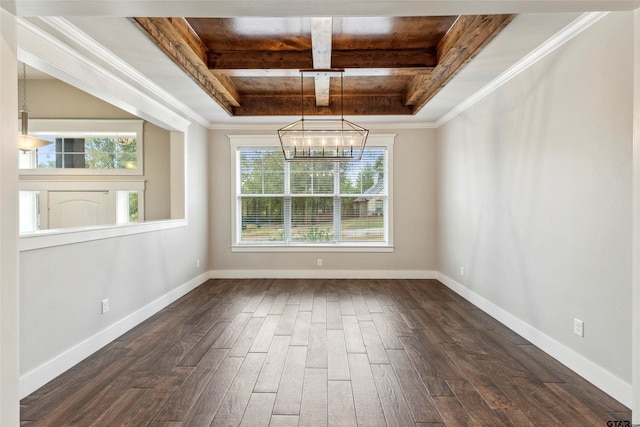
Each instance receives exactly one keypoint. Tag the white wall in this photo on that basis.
(62, 287)
(413, 214)
(534, 200)
(9, 362)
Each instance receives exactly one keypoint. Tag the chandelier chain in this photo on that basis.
(24, 86)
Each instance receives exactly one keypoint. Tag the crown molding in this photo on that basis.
(42, 49)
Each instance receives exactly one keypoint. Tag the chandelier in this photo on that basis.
(322, 139)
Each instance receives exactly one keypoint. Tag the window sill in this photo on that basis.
(312, 248)
(68, 236)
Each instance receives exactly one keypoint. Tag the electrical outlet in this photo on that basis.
(462, 270)
(105, 305)
(198, 263)
(319, 262)
(578, 327)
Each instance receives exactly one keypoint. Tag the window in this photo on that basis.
(85, 147)
(321, 203)
(108, 152)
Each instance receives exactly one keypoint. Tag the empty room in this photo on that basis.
(345, 213)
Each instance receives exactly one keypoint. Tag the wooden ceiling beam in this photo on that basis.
(177, 40)
(466, 38)
(349, 72)
(298, 60)
(289, 105)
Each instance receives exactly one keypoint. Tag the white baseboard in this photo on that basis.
(595, 374)
(322, 274)
(36, 378)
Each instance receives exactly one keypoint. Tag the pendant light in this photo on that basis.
(26, 142)
(322, 139)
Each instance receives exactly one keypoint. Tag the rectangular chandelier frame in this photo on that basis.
(322, 139)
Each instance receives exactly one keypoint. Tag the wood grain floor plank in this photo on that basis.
(205, 407)
(387, 335)
(429, 374)
(365, 395)
(514, 418)
(532, 409)
(195, 355)
(231, 333)
(353, 335)
(288, 320)
(400, 323)
(119, 413)
(594, 416)
(183, 399)
(360, 307)
(319, 311)
(313, 411)
(269, 378)
(373, 343)
(484, 379)
(346, 305)
(279, 303)
(235, 401)
(306, 298)
(473, 403)
(264, 306)
(284, 420)
(301, 328)
(258, 412)
(418, 399)
(395, 408)
(452, 411)
(334, 316)
(245, 340)
(372, 302)
(341, 409)
(55, 412)
(337, 362)
(317, 354)
(47, 399)
(289, 394)
(254, 302)
(265, 335)
(155, 400)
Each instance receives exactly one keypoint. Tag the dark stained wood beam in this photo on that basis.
(465, 39)
(349, 72)
(289, 105)
(298, 60)
(383, 58)
(177, 40)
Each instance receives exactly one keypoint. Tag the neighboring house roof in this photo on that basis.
(375, 189)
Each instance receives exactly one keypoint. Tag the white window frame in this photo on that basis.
(236, 142)
(68, 128)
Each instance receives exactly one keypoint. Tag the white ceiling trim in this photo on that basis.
(43, 51)
(576, 27)
(74, 33)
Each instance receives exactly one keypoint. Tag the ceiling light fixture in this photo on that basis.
(322, 139)
(26, 142)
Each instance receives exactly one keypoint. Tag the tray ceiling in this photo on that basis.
(392, 65)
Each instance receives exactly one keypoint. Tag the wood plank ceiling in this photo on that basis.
(392, 65)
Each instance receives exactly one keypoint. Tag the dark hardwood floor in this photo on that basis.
(320, 352)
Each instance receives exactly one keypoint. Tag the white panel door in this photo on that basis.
(80, 208)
